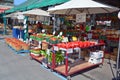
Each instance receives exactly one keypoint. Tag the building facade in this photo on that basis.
(7, 2)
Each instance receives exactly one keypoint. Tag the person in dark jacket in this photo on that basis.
(39, 27)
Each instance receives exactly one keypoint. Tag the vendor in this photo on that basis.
(39, 27)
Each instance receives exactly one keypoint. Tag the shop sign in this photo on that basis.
(81, 17)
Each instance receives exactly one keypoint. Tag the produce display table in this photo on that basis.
(68, 69)
(42, 59)
(17, 45)
(37, 58)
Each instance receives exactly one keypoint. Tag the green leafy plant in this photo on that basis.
(43, 52)
(59, 57)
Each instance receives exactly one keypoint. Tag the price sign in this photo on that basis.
(56, 48)
(54, 33)
(30, 39)
(60, 33)
(70, 50)
(63, 49)
(81, 17)
(48, 51)
(77, 48)
(39, 44)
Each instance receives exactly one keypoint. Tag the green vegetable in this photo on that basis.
(43, 52)
(35, 51)
(59, 57)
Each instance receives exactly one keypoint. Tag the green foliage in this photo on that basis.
(35, 51)
(59, 57)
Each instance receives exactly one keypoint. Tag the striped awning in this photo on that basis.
(3, 8)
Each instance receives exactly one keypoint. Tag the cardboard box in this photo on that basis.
(44, 45)
(115, 54)
(107, 56)
(115, 50)
(95, 61)
(86, 58)
(97, 54)
(113, 57)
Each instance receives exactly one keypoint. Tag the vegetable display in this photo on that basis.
(17, 44)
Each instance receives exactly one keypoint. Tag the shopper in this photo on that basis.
(30, 30)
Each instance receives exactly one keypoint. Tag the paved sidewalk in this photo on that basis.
(17, 67)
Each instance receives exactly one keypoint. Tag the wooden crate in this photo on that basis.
(44, 46)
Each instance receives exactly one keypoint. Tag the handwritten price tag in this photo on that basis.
(63, 49)
(70, 50)
(56, 48)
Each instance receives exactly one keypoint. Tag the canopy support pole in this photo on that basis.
(118, 62)
(54, 23)
(5, 23)
(26, 28)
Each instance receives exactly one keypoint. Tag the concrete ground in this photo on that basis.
(18, 67)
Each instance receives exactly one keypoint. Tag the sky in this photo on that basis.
(17, 2)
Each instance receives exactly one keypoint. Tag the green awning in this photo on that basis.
(22, 7)
(45, 3)
(31, 4)
(38, 4)
(10, 10)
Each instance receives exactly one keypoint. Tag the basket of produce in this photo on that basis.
(47, 37)
(32, 36)
(39, 39)
(54, 40)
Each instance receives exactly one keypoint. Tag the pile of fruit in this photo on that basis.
(17, 44)
(74, 44)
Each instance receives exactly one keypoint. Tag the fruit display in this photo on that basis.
(74, 44)
(17, 44)
(110, 34)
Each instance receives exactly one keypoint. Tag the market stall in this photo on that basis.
(88, 7)
(102, 24)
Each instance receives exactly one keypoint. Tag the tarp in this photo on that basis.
(82, 6)
(14, 15)
(37, 12)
